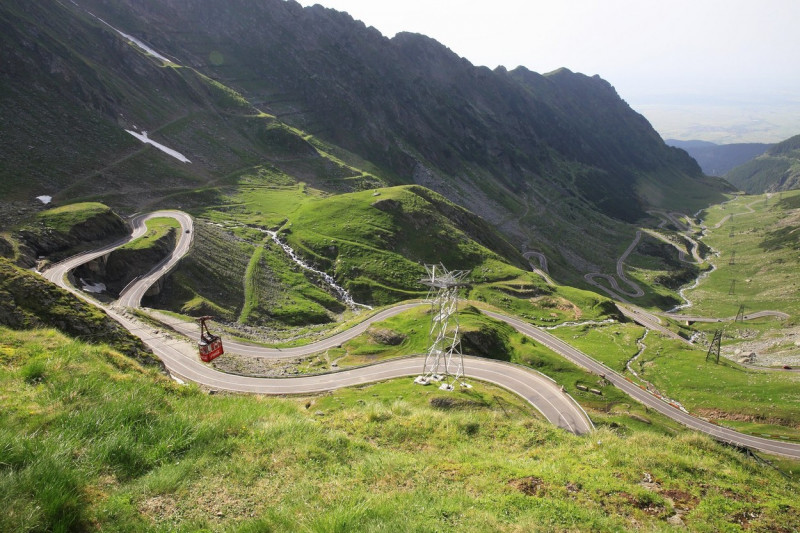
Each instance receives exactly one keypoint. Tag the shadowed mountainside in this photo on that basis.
(28, 301)
(410, 105)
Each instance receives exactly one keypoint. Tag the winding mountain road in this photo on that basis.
(748, 316)
(542, 269)
(252, 350)
(540, 391)
(637, 290)
(544, 394)
(650, 320)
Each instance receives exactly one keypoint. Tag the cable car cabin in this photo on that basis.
(209, 345)
(210, 348)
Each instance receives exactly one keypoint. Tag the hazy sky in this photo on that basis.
(650, 50)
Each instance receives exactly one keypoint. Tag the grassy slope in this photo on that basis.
(483, 336)
(209, 278)
(27, 300)
(243, 276)
(65, 230)
(92, 440)
(766, 399)
(675, 190)
(375, 241)
(89, 155)
(655, 266)
(157, 228)
(64, 218)
(676, 370)
(776, 170)
(68, 130)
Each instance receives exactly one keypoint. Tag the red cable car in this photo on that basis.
(210, 346)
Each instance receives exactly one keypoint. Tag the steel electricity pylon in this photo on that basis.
(444, 362)
(715, 346)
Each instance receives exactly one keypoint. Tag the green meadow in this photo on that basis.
(64, 218)
(157, 229)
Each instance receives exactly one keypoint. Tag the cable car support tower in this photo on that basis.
(444, 362)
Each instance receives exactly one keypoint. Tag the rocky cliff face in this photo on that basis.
(6, 248)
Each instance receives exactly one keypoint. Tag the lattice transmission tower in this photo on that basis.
(715, 346)
(444, 362)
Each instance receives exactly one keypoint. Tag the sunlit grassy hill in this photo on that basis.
(377, 241)
(65, 230)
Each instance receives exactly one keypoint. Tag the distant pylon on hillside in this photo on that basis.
(444, 361)
(715, 347)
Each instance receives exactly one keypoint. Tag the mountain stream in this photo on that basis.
(344, 296)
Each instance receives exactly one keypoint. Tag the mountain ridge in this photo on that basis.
(509, 146)
(420, 113)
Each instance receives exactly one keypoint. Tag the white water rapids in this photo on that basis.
(340, 291)
(694, 285)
